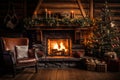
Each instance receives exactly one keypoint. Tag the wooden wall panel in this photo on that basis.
(25, 8)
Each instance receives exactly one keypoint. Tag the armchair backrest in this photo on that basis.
(10, 43)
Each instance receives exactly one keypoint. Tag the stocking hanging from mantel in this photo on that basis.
(10, 19)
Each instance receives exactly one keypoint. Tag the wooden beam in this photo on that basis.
(91, 9)
(112, 11)
(81, 8)
(115, 18)
(53, 10)
(64, 5)
(38, 6)
(99, 5)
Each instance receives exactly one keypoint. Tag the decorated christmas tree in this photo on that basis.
(106, 35)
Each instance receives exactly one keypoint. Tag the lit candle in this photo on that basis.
(49, 14)
(46, 13)
(72, 14)
(35, 14)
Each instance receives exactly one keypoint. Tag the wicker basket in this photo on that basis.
(101, 67)
(91, 66)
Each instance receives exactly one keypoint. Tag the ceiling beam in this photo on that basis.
(81, 8)
(91, 9)
(38, 7)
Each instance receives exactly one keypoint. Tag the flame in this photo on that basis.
(55, 46)
(59, 46)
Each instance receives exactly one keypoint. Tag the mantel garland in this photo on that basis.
(81, 22)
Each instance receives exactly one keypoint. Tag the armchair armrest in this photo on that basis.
(32, 53)
(8, 57)
(8, 52)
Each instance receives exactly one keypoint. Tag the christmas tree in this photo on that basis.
(106, 35)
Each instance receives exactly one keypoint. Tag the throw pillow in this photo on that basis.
(22, 51)
(78, 54)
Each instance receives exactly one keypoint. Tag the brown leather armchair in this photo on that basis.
(10, 54)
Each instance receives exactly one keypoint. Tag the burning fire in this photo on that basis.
(59, 46)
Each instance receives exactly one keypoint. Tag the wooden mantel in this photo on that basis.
(52, 28)
(60, 27)
(78, 31)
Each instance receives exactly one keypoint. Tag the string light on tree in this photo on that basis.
(112, 24)
(107, 32)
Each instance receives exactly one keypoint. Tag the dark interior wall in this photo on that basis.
(23, 8)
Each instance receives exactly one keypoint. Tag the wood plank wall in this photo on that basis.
(25, 8)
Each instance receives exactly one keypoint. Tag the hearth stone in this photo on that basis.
(58, 62)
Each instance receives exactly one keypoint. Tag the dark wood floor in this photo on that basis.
(62, 74)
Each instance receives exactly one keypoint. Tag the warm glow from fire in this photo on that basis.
(55, 46)
(59, 46)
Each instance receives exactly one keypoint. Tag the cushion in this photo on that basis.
(111, 55)
(22, 51)
(78, 54)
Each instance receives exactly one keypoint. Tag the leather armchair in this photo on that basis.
(10, 54)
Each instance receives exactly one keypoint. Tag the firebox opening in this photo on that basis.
(59, 47)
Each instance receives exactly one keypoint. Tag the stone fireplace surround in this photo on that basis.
(59, 61)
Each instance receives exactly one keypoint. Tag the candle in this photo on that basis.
(35, 14)
(72, 14)
(46, 13)
(49, 14)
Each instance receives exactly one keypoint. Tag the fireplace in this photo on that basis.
(58, 42)
(59, 46)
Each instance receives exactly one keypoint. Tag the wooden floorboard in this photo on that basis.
(62, 74)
